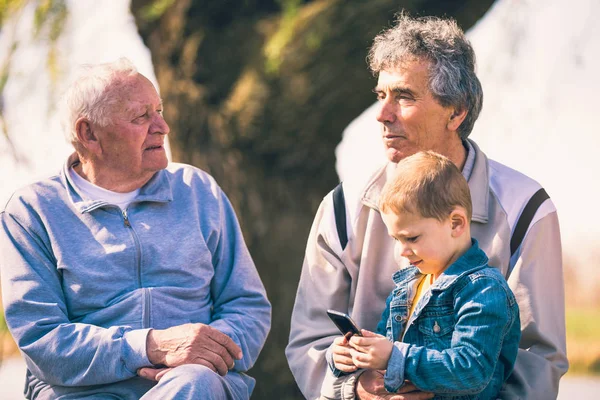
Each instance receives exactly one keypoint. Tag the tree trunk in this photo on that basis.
(258, 94)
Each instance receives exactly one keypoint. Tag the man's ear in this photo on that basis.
(86, 135)
(456, 118)
(458, 221)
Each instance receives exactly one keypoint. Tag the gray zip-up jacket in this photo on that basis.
(357, 280)
(83, 282)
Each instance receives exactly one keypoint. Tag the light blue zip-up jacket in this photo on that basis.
(83, 282)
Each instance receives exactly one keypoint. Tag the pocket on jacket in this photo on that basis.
(437, 330)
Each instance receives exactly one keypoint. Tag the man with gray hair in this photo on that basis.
(429, 99)
(124, 276)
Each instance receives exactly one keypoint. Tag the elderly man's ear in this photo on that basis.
(86, 135)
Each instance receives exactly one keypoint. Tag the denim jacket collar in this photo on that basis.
(157, 189)
(473, 259)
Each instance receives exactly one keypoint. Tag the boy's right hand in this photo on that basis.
(342, 358)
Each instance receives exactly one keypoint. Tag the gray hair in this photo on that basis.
(452, 78)
(93, 94)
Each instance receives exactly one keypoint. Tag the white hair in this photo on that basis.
(92, 94)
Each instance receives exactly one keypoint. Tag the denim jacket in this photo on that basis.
(462, 339)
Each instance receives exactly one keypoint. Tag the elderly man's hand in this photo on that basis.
(192, 344)
(370, 387)
(154, 374)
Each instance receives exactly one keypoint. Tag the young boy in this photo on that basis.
(451, 324)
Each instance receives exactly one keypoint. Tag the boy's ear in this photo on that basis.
(459, 222)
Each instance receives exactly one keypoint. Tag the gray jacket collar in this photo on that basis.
(479, 184)
(157, 189)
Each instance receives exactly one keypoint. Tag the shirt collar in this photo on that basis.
(157, 189)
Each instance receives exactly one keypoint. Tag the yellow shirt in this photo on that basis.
(422, 288)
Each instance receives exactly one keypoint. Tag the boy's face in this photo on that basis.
(428, 244)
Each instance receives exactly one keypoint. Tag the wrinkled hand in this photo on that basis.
(341, 354)
(154, 374)
(370, 387)
(192, 344)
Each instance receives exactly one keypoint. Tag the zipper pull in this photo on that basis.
(125, 219)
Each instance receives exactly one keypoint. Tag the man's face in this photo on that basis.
(412, 120)
(132, 145)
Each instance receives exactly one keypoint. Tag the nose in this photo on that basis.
(405, 250)
(401, 250)
(385, 113)
(159, 125)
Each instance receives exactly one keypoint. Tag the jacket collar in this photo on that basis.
(157, 189)
(479, 185)
(474, 259)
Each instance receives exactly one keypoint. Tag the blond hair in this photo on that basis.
(427, 184)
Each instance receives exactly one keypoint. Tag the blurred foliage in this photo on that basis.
(49, 19)
(274, 47)
(583, 340)
(8, 8)
(155, 10)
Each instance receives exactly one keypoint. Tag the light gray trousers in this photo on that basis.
(186, 382)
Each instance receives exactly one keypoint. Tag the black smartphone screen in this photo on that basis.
(344, 323)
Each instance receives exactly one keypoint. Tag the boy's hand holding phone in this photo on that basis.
(370, 350)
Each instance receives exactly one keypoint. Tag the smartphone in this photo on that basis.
(344, 323)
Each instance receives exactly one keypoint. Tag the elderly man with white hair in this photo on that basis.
(124, 276)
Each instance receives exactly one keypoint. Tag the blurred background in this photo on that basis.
(259, 93)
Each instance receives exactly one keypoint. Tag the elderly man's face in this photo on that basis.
(412, 120)
(133, 143)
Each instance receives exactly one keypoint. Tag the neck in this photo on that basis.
(109, 180)
(456, 152)
(463, 245)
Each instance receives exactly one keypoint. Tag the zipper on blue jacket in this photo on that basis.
(125, 219)
(138, 251)
(146, 316)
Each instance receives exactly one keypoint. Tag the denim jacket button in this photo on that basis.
(436, 327)
(399, 318)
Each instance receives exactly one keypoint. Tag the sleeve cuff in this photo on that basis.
(135, 355)
(339, 388)
(394, 375)
(329, 357)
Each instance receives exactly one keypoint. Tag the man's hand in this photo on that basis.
(192, 344)
(154, 374)
(370, 387)
(372, 351)
(342, 358)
